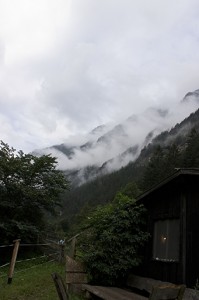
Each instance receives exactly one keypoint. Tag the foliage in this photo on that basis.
(29, 187)
(114, 234)
(131, 190)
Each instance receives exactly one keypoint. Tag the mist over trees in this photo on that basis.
(177, 148)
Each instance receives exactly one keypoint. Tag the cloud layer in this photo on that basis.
(117, 145)
(67, 66)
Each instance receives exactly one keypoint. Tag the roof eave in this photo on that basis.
(178, 172)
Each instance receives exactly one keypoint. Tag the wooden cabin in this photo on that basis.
(172, 254)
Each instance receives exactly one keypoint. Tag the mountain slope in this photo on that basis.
(170, 148)
(108, 148)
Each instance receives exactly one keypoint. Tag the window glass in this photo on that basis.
(166, 240)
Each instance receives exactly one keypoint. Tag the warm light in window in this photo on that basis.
(163, 239)
(166, 240)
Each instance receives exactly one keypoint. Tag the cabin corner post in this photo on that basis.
(184, 240)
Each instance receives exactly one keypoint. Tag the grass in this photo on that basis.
(34, 283)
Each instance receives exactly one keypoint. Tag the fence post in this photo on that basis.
(73, 247)
(61, 253)
(13, 260)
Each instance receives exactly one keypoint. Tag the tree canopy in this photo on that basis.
(29, 187)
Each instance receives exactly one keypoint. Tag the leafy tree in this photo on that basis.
(29, 187)
(131, 190)
(114, 234)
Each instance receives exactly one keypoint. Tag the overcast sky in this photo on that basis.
(67, 66)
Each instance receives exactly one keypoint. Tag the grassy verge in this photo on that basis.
(34, 283)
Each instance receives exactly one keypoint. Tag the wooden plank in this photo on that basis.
(126, 295)
(167, 292)
(141, 283)
(74, 266)
(60, 287)
(112, 293)
(75, 271)
(72, 277)
(164, 292)
(144, 283)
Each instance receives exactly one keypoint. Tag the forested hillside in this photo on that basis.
(110, 147)
(172, 149)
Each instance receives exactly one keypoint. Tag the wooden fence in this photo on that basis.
(53, 251)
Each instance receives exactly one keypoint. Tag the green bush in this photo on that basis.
(112, 238)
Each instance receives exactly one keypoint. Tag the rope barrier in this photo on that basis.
(4, 246)
(35, 266)
(38, 257)
(28, 259)
(4, 265)
(52, 242)
(24, 245)
(33, 258)
(5, 275)
(29, 245)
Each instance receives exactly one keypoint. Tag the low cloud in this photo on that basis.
(68, 66)
(110, 144)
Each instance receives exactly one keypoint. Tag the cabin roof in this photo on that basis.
(177, 173)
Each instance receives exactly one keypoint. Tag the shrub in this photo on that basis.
(114, 234)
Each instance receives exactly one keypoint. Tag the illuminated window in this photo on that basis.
(166, 240)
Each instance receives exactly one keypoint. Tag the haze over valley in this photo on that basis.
(111, 146)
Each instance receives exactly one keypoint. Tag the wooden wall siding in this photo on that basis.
(192, 260)
(176, 199)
